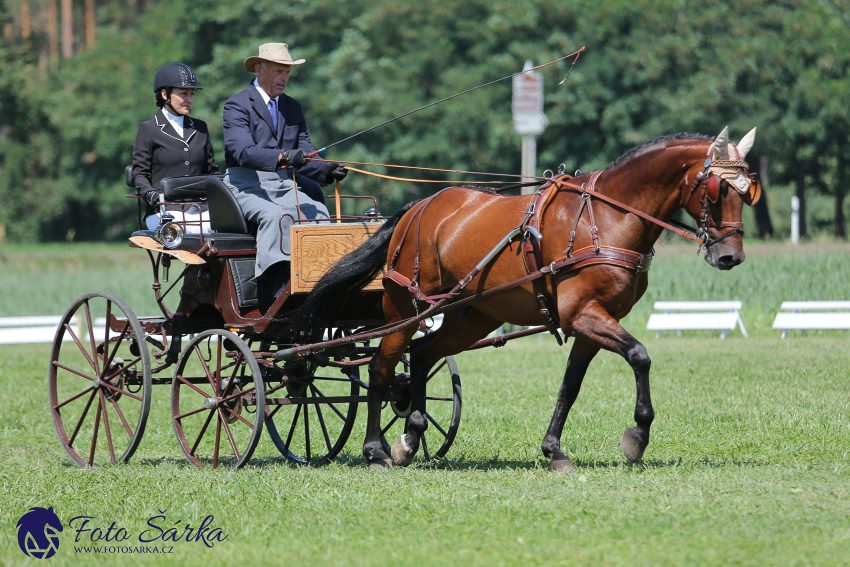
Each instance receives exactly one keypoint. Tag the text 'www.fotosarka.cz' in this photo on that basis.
(40, 528)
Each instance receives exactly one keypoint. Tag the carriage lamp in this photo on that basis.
(168, 233)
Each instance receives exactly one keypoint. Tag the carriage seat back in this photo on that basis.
(184, 188)
(225, 212)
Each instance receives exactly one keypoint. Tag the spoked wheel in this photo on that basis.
(99, 380)
(315, 416)
(443, 408)
(217, 401)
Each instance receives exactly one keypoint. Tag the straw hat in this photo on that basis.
(273, 52)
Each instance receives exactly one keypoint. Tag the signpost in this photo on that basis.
(529, 120)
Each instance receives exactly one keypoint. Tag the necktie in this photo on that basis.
(273, 111)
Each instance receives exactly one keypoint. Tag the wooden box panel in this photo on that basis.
(315, 248)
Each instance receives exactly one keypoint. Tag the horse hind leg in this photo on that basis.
(458, 332)
(581, 355)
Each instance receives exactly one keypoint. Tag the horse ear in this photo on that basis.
(746, 143)
(721, 144)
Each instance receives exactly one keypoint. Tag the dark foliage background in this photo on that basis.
(651, 68)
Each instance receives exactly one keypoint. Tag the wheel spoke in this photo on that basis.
(201, 433)
(322, 422)
(437, 399)
(106, 428)
(72, 398)
(229, 434)
(82, 417)
(206, 369)
(188, 413)
(333, 407)
(390, 424)
(440, 367)
(94, 437)
(437, 425)
(218, 391)
(292, 427)
(117, 345)
(217, 440)
(91, 335)
(123, 419)
(201, 392)
(307, 431)
(120, 391)
(71, 370)
(236, 415)
(106, 330)
(237, 394)
(123, 368)
(81, 347)
(425, 448)
(274, 411)
(232, 375)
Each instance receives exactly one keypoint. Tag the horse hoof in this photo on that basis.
(631, 445)
(380, 464)
(562, 466)
(402, 455)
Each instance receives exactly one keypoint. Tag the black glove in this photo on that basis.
(292, 158)
(152, 197)
(336, 171)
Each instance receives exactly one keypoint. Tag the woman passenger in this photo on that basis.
(171, 144)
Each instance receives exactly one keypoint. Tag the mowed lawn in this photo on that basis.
(749, 462)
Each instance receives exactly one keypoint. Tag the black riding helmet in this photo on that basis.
(175, 75)
(171, 76)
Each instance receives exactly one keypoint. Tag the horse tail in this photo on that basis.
(349, 275)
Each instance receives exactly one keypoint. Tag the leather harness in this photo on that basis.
(572, 259)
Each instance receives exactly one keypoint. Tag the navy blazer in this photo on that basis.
(250, 139)
(159, 152)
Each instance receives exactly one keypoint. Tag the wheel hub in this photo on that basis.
(210, 403)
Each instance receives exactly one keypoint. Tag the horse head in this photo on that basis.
(716, 197)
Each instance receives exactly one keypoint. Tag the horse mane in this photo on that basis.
(659, 141)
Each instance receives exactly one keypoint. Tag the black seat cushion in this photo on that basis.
(225, 212)
(184, 188)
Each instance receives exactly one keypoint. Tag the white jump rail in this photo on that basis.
(808, 315)
(39, 329)
(696, 316)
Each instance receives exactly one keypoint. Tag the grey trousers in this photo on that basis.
(268, 199)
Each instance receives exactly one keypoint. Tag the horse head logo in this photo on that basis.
(38, 533)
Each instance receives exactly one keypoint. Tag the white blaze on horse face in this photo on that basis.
(746, 144)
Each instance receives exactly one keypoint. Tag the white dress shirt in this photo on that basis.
(175, 120)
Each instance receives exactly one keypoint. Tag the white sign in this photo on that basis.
(530, 123)
(527, 103)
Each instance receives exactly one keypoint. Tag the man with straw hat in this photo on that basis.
(266, 140)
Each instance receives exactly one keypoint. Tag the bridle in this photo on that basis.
(710, 185)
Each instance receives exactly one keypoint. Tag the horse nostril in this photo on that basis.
(728, 261)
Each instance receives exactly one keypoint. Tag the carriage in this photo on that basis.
(217, 348)
(458, 253)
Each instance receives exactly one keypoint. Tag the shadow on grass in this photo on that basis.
(463, 464)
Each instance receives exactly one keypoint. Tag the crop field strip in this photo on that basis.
(749, 462)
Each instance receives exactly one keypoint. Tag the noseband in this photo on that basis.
(710, 185)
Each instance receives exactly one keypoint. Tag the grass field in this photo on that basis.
(749, 462)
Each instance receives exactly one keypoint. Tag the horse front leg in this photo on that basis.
(581, 354)
(597, 326)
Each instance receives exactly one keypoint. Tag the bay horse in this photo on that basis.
(595, 225)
